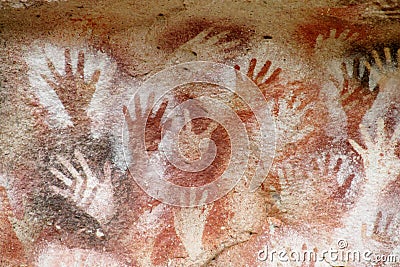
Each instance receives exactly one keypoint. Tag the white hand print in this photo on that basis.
(382, 166)
(381, 163)
(189, 225)
(290, 117)
(93, 195)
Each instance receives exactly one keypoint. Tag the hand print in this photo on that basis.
(383, 69)
(189, 224)
(204, 46)
(73, 91)
(153, 128)
(259, 78)
(336, 170)
(381, 163)
(382, 167)
(355, 96)
(326, 176)
(384, 9)
(91, 194)
(291, 113)
(333, 46)
(25, 229)
(385, 228)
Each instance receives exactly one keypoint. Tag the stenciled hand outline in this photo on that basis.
(73, 91)
(202, 47)
(326, 48)
(379, 157)
(94, 195)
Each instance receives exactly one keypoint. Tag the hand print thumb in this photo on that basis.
(190, 150)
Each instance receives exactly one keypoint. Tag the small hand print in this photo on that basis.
(92, 194)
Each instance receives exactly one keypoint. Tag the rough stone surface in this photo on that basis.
(77, 144)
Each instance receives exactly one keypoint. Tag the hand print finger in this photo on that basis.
(68, 63)
(138, 107)
(80, 66)
(380, 132)
(210, 129)
(388, 56)
(67, 164)
(201, 36)
(353, 37)
(150, 104)
(95, 77)
(377, 60)
(356, 68)
(53, 70)
(64, 193)
(107, 172)
(361, 151)
(366, 137)
(188, 120)
(319, 41)
(252, 66)
(217, 38)
(86, 169)
(260, 76)
(332, 34)
(68, 182)
(160, 112)
(343, 36)
(273, 76)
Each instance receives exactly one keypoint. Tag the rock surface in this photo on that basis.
(199, 133)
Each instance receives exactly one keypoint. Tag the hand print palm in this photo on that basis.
(73, 91)
(93, 195)
(190, 143)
